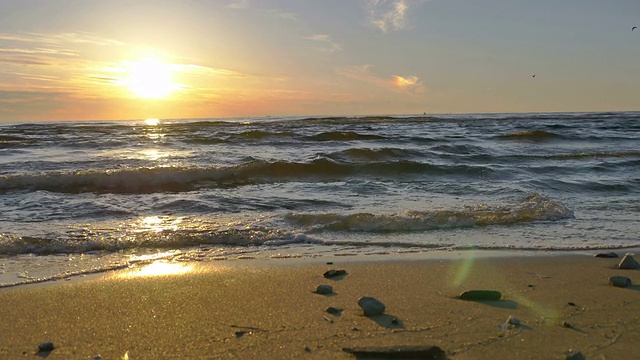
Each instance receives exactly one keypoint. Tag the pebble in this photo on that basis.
(46, 347)
(333, 311)
(371, 306)
(576, 355)
(324, 289)
(397, 352)
(628, 262)
(620, 281)
(480, 295)
(606, 255)
(334, 273)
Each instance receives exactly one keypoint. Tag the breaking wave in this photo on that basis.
(179, 179)
(531, 208)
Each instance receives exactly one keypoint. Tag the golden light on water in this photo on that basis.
(160, 268)
(152, 122)
(153, 154)
(158, 224)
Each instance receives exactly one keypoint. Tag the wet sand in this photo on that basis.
(268, 310)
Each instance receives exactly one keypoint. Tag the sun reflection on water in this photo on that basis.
(152, 122)
(158, 224)
(159, 268)
(153, 154)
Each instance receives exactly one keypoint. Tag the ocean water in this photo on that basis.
(79, 197)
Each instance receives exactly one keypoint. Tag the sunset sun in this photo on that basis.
(150, 79)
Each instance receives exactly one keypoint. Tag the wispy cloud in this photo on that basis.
(240, 4)
(410, 84)
(59, 38)
(390, 14)
(327, 44)
(397, 83)
(205, 70)
(276, 13)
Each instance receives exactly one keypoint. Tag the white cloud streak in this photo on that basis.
(397, 83)
(327, 44)
(390, 14)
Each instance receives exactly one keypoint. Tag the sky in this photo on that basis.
(168, 59)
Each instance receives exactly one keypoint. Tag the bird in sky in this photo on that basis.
(534, 75)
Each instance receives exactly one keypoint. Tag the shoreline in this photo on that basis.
(261, 310)
(301, 257)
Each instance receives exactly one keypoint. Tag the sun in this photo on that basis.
(150, 79)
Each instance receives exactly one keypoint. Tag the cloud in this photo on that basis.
(59, 39)
(390, 14)
(397, 83)
(282, 14)
(241, 4)
(275, 13)
(411, 84)
(328, 45)
(205, 70)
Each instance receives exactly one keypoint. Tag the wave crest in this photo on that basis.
(529, 209)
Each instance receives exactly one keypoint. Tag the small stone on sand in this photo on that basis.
(397, 352)
(620, 281)
(575, 355)
(371, 306)
(480, 295)
(46, 347)
(628, 262)
(333, 311)
(334, 273)
(324, 290)
(607, 255)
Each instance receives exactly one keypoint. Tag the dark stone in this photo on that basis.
(628, 262)
(397, 352)
(334, 273)
(608, 255)
(371, 306)
(324, 290)
(333, 311)
(620, 281)
(576, 355)
(480, 295)
(46, 347)
(571, 304)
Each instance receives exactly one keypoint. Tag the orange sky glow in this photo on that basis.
(168, 59)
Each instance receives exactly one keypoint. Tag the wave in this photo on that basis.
(115, 242)
(530, 135)
(368, 154)
(613, 154)
(343, 136)
(180, 179)
(529, 209)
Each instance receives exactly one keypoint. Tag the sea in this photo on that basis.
(80, 198)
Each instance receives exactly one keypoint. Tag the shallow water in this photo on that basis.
(90, 196)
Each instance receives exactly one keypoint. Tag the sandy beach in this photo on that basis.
(268, 310)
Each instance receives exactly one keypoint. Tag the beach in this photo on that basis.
(559, 304)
